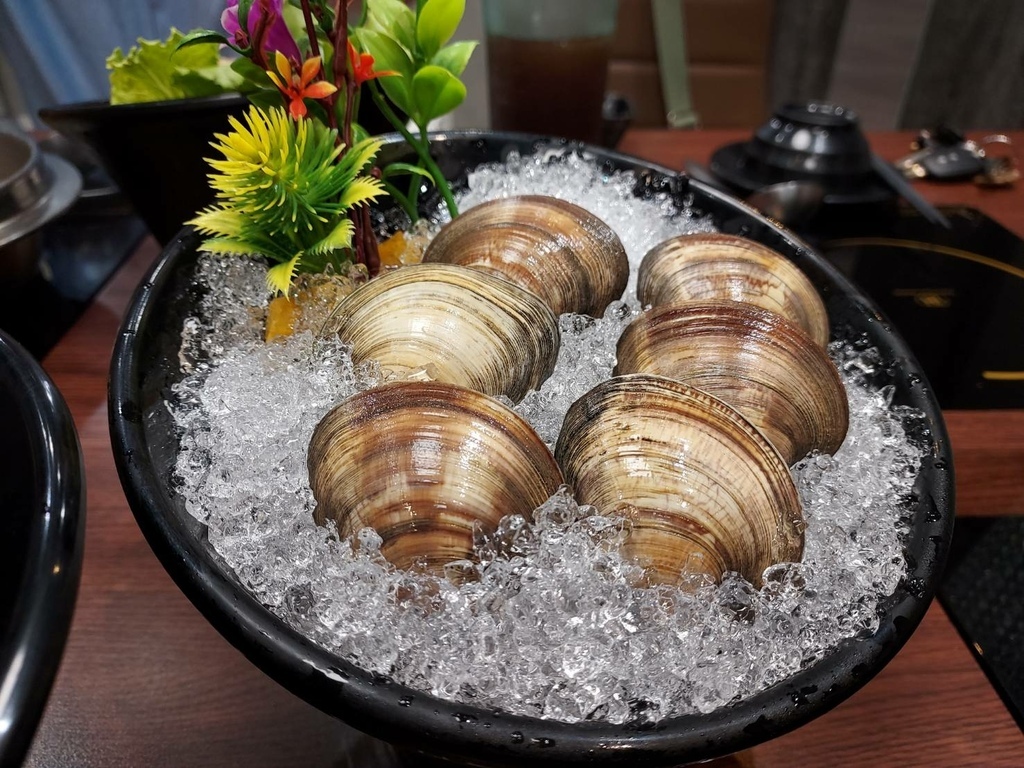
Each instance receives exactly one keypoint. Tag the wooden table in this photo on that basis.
(145, 681)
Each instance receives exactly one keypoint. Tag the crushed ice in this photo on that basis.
(552, 626)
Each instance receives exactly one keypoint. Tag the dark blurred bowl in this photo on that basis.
(154, 151)
(146, 364)
(42, 489)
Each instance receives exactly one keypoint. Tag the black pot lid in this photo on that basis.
(734, 165)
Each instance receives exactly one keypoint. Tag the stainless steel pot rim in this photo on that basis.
(57, 185)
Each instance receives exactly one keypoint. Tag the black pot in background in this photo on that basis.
(42, 530)
(145, 364)
(815, 141)
(154, 151)
(35, 188)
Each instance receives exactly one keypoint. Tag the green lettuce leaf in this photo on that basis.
(154, 71)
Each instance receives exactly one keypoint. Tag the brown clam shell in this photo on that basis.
(563, 253)
(714, 266)
(705, 491)
(449, 323)
(757, 361)
(421, 463)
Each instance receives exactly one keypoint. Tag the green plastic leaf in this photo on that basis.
(389, 55)
(147, 72)
(435, 92)
(230, 247)
(363, 152)
(362, 190)
(394, 19)
(217, 220)
(338, 238)
(359, 133)
(316, 111)
(397, 89)
(243, 14)
(252, 73)
(267, 99)
(402, 169)
(436, 23)
(200, 36)
(455, 57)
(279, 277)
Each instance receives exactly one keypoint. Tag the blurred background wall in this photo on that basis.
(53, 51)
(899, 63)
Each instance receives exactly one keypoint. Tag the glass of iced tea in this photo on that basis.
(548, 64)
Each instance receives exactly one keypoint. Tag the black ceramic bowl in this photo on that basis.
(154, 151)
(42, 526)
(145, 363)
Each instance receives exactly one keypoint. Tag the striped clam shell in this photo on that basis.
(452, 324)
(422, 463)
(704, 490)
(700, 267)
(563, 253)
(759, 362)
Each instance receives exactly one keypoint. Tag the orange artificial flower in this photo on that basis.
(362, 66)
(298, 87)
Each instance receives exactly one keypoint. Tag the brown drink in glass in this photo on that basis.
(548, 65)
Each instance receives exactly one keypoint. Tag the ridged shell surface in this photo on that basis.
(700, 267)
(452, 324)
(705, 491)
(561, 252)
(421, 463)
(757, 361)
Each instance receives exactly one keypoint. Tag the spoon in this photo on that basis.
(697, 171)
(788, 202)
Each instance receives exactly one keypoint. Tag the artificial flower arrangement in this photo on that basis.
(296, 177)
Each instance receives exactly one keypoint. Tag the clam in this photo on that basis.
(701, 267)
(561, 252)
(443, 322)
(422, 463)
(705, 492)
(759, 362)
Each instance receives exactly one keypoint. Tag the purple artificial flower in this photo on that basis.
(277, 38)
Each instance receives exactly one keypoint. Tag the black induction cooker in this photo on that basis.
(955, 295)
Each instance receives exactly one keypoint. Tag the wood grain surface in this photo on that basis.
(145, 681)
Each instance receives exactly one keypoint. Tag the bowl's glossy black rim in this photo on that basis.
(31, 646)
(101, 111)
(479, 736)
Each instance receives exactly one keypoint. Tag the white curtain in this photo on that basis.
(56, 49)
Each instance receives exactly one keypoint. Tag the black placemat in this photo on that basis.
(983, 592)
